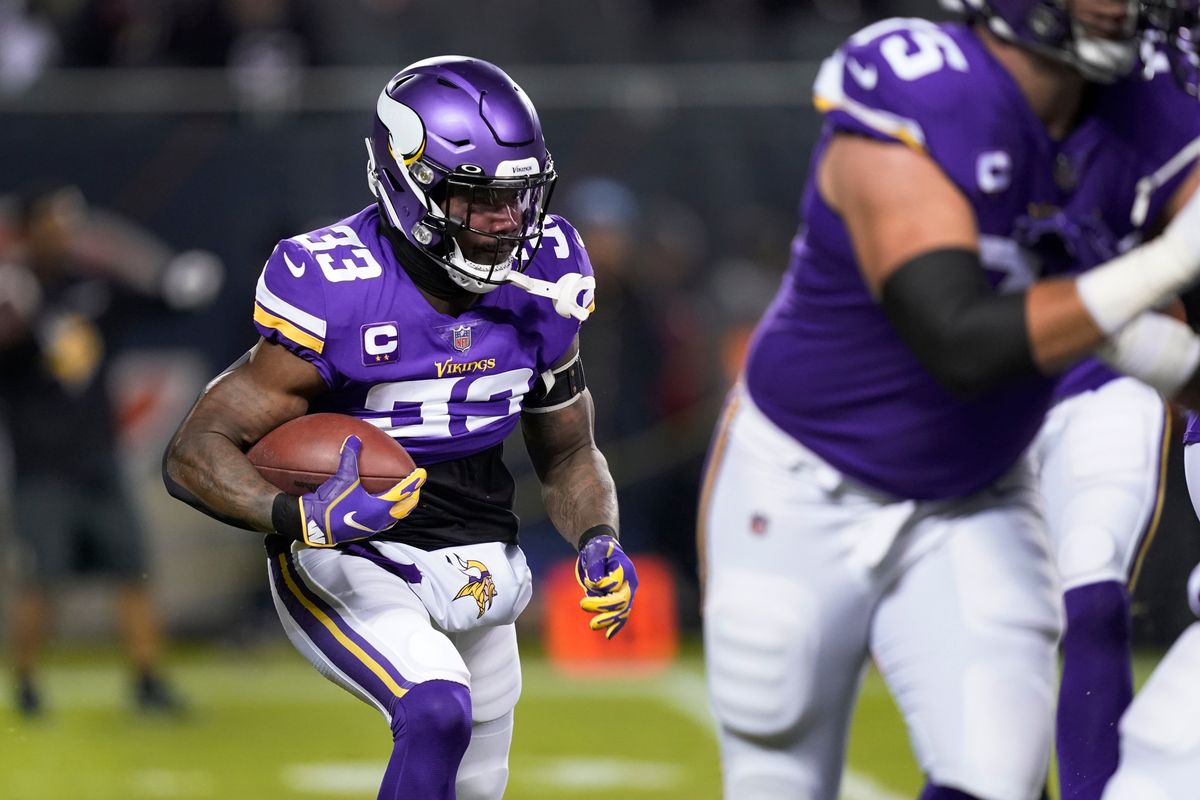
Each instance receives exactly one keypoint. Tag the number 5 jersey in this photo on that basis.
(826, 366)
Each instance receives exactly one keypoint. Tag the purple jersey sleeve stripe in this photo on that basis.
(329, 632)
(293, 333)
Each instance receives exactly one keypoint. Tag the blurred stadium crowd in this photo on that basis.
(680, 129)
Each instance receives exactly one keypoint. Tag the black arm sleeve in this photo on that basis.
(967, 335)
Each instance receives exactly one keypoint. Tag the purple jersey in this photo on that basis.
(444, 386)
(1191, 433)
(827, 366)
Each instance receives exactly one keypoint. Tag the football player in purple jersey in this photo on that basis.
(870, 491)
(444, 313)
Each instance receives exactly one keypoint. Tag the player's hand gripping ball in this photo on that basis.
(341, 510)
(610, 581)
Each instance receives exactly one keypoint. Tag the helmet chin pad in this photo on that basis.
(1104, 60)
(474, 277)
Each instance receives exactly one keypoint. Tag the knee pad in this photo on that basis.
(761, 654)
(434, 714)
(1090, 553)
(1003, 748)
(495, 693)
(483, 773)
(495, 667)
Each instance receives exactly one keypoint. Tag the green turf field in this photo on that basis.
(265, 726)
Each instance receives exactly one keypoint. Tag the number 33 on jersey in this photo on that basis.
(444, 386)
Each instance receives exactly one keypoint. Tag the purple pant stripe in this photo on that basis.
(330, 633)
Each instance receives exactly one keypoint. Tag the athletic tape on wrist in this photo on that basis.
(1146, 277)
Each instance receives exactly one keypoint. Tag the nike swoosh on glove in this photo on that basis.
(608, 577)
(341, 510)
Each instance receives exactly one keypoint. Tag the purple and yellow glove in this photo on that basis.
(341, 510)
(608, 577)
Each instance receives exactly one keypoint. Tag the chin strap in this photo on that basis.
(565, 292)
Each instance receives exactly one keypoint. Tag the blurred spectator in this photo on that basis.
(622, 337)
(264, 43)
(28, 44)
(622, 343)
(116, 33)
(688, 386)
(61, 299)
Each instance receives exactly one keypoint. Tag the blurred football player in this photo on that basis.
(443, 313)
(869, 491)
(1100, 457)
(1160, 745)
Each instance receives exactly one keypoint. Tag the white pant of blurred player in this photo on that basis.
(1099, 458)
(382, 625)
(808, 573)
(1160, 737)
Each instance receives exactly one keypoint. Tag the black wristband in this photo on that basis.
(285, 516)
(593, 532)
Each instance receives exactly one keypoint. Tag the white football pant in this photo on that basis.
(1100, 460)
(367, 631)
(808, 574)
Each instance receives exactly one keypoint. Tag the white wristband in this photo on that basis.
(1158, 350)
(1146, 277)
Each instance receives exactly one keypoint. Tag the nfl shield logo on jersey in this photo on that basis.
(460, 337)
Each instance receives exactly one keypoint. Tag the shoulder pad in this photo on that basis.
(289, 301)
(561, 251)
(898, 80)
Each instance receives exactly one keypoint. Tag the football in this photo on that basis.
(302, 453)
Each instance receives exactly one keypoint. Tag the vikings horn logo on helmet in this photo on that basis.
(406, 132)
(480, 587)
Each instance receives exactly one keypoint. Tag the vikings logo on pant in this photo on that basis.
(480, 587)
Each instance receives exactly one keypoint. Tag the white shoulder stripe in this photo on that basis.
(831, 94)
(1149, 184)
(281, 308)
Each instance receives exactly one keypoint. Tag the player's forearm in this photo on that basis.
(579, 493)
(1060, 328)
(207, 471)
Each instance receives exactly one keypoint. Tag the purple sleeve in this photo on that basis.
(1191, 433)
(289, 306)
